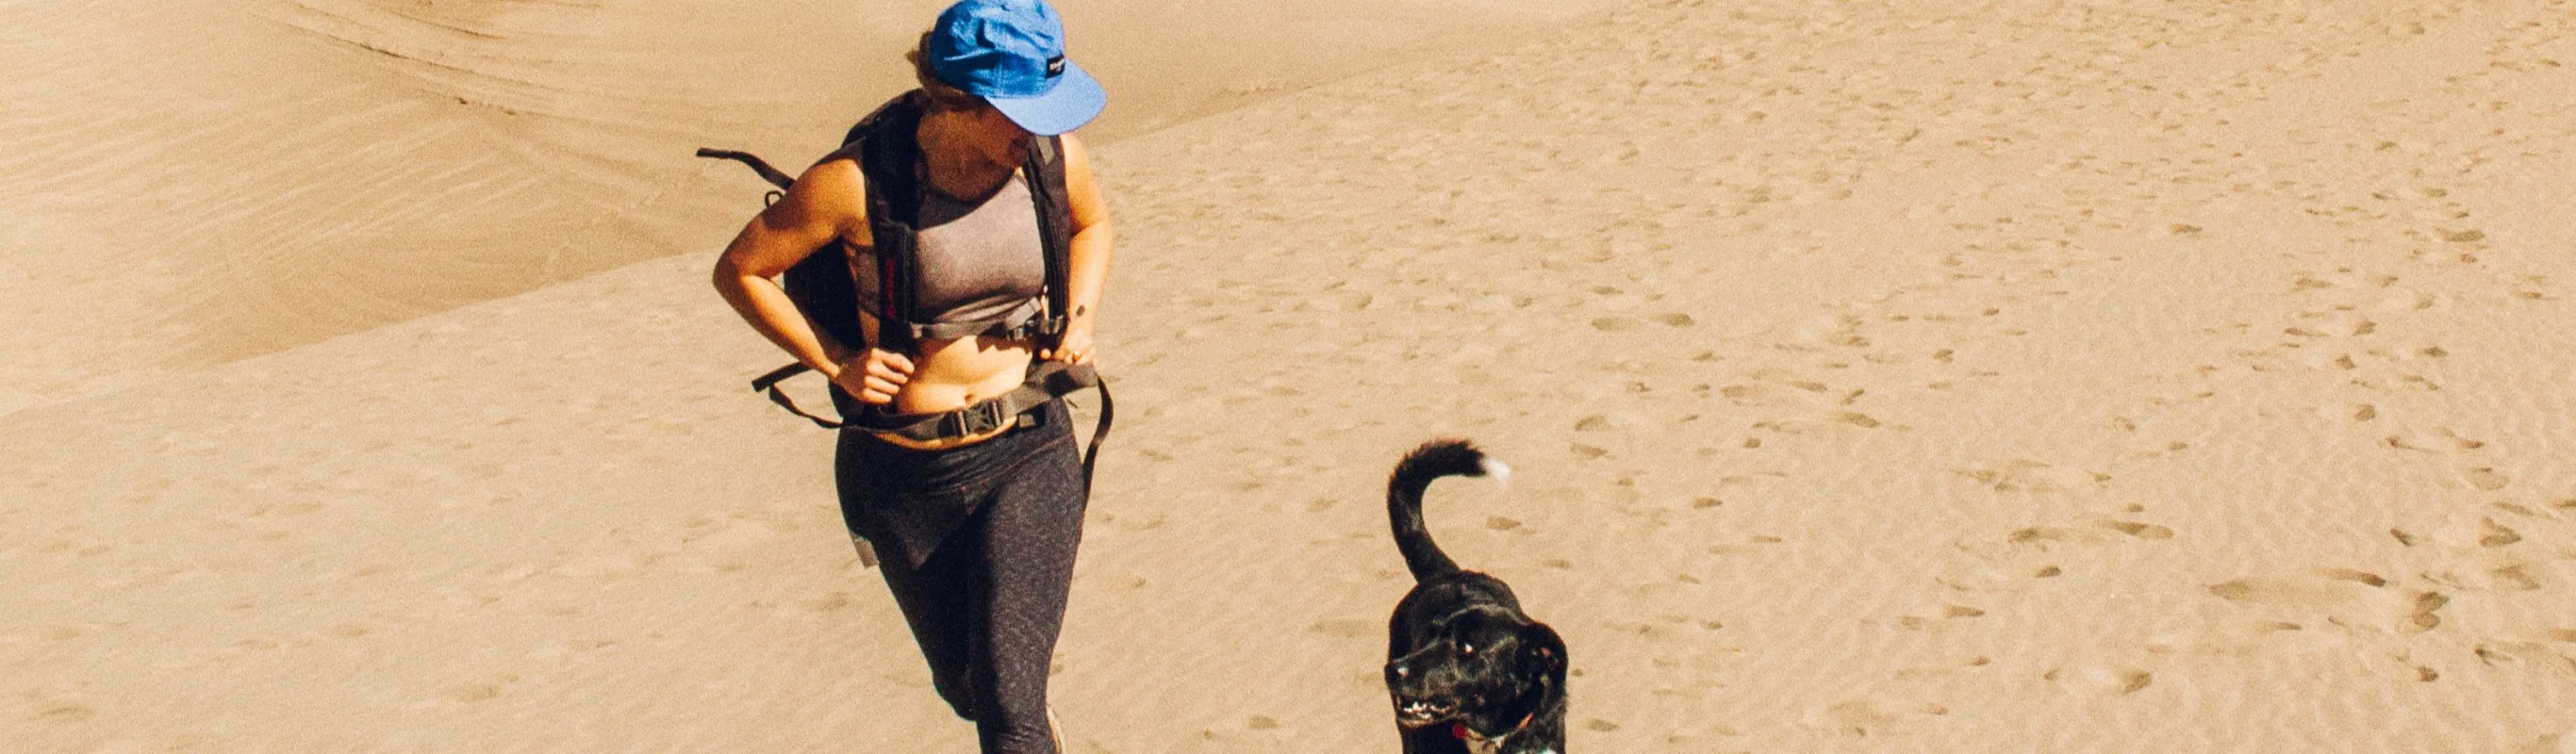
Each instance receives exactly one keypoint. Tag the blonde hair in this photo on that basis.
(943, 97)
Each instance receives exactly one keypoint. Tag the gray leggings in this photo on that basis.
(977, 544)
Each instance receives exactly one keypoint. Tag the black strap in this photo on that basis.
(1022, 322)
(1050, 193)
(889, 154)
(1056, 379)
(1047, 190)
(767, 173)
(769, 383)
(1099, 432)
(1047, 380)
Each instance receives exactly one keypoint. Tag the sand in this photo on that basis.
(1880, 377)
(193, 182)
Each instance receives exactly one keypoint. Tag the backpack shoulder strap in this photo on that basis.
(888, 153)
(821, 284)
(1055, 233)
(1045, 170)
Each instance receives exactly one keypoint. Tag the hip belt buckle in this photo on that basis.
(984, 416)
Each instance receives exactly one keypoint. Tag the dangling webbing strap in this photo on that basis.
(767, 173)
(769, 383)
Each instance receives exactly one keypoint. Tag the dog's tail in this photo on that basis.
(1433, 460)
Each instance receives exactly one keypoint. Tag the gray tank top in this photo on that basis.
(978, 261)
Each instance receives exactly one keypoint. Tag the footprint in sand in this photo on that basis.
(1825, 332)
(2025, 475)
(2485, 478)
(2435, 440)
(1947, 668)
(2510, 576)
(828, 602)
(2482, 529)
(2013, 561)
(2139, 529)
(62, 710)
(1593, 423)
(1948, 612)
(2380, 654)
(2533, 288)
(2527, 655)
(2556, 743)
(2500, 547)
(1776, 389)
(1155, 521)
(2100, 680)
(473, 692)
(2097, 533)
(1348, 628)
(1870, 718)
(2488, 533)
(2341, 598)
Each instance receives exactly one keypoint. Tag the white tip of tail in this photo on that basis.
(1500, 472)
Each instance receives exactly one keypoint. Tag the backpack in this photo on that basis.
(823, 289)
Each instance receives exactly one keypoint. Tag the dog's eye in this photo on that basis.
(1467, 649)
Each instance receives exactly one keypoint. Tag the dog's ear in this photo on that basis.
(1545, 650)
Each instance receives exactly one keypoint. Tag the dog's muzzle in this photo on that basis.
(1418, 713)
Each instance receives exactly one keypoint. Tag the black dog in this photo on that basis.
(1470, 674)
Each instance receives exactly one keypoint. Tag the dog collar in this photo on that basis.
(1481, 745)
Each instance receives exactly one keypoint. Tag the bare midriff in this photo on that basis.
(954, 373)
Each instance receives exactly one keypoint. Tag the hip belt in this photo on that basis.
(1047, 381)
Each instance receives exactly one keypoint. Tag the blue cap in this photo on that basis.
(1011, 53)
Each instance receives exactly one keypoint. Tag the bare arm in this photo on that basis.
(1092, 240)
(827, 201)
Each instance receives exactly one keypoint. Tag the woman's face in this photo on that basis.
(992, 136)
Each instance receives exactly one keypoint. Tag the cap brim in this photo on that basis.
(1076, 99)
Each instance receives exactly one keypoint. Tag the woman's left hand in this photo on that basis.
(1076, 346)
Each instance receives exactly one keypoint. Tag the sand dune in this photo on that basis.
(2021, 376)
(198, 181)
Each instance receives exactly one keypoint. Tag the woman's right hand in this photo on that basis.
(875, 376)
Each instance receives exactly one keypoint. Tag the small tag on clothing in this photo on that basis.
(867, 552)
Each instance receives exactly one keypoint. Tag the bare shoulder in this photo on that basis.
(834, 180)
(1076, 156)
(1089, 209)
(829, 198)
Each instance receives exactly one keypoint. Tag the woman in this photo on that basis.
(977, 521)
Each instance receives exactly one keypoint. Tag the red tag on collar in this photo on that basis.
(1459, 730)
